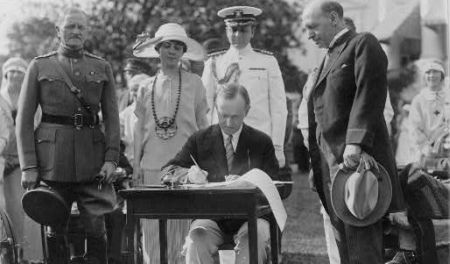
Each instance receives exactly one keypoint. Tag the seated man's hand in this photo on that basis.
(174, 175)
(197, 175)
(231, 177)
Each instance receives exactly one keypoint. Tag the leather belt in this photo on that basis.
(77, 120)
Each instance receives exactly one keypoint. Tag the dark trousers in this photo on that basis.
(356, 245)
(300, 151)
(93, 204)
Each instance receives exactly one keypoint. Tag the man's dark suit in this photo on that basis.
(346, 107)
(254, 150)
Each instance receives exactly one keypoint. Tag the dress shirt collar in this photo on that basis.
(235, 138)
(240, 52)
(336, 37)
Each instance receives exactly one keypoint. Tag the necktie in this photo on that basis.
(229, 152)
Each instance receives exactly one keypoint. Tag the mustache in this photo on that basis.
(78, 36)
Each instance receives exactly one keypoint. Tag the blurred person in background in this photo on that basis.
(133, 67)
(127, 116)
(257, 70)
(429, 114)
(169, 109)
(13, 71)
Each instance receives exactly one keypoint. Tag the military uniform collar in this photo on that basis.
(70, 53)
(241, 52)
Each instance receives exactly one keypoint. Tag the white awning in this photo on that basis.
(402, 20)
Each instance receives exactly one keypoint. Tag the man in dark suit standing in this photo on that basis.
(224, 152)
(346, 125)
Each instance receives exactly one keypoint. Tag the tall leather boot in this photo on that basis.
(58, 248)
(96, 250)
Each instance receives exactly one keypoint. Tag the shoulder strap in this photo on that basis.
(73, 89)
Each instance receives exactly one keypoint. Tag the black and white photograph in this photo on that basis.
(224, 132)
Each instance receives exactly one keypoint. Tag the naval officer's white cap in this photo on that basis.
(239, 15)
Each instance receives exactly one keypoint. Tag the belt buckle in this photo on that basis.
(78, 120)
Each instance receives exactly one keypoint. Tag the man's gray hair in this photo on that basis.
(231, 90)
(69, 11)
(332, 6)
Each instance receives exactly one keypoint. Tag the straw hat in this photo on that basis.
(145, 46)
(361, 197)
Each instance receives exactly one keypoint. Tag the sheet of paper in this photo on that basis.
(261, 180)
(206, 185)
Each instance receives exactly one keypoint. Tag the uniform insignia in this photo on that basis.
(93, 56)
(217, 52)
(47, 55)
(257, 69)
(265, 52)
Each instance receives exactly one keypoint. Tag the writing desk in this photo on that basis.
(196, 203)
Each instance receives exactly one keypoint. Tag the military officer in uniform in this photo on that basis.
(68, 151)
(256, 70)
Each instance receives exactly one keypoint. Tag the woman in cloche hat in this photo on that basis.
(169, 109)
(429, 114)
(25, 231)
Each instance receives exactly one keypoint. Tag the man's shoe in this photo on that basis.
(404, 257)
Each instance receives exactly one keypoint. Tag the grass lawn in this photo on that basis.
(303, 239)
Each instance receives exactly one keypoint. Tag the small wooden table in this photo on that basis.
(196, 203)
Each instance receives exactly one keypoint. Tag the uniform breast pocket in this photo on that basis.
(257, 85)
(94, 89)
(45, 149)
(53, 90)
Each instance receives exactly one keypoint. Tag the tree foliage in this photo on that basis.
(116, 23)
(33, 37)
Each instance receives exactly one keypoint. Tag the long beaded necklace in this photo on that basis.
(166, 127)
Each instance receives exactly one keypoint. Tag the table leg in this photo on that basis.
(131, 239)
(274, 239)
(136, 240)
(163, 241)
(253, 239)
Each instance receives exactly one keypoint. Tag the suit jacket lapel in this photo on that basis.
(341, 44)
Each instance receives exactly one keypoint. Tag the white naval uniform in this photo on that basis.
(261, 76)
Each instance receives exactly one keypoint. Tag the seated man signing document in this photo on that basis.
(223, 152)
